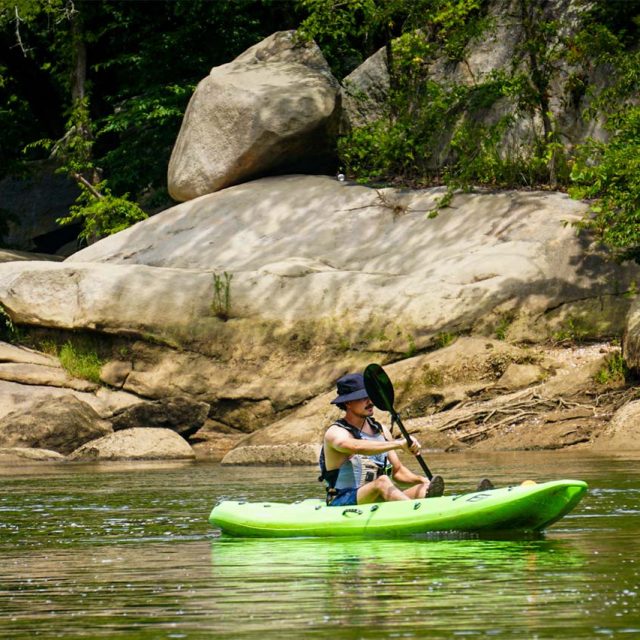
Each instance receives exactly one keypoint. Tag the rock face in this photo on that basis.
(58, 424)
(136, 444)
(36, 203)
(496, 50)
(323, 276)
(273, 108)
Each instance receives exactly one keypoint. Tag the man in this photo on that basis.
(359, 455)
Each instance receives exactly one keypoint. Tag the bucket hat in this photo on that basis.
(350, 387)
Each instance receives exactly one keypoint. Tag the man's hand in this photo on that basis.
(414, 448)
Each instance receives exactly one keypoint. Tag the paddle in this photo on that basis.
(380, 392)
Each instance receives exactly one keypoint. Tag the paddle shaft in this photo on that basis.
(396, 418)
(380, 390)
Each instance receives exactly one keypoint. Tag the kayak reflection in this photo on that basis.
(443, 583)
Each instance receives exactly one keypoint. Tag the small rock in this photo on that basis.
(277, 455)
(9, 454)
(136, 444)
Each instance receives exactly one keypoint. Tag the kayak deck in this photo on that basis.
(531, 507)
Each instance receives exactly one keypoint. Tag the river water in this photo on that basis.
(125, 551)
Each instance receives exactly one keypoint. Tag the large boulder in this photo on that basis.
(273, 108)
(623, 431)
(20, 396)
(631, 336)
(58, 424)
(374, 256)
(180, 414)
(136, 444)
(365, 90)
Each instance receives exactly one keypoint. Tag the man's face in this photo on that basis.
(361, 408)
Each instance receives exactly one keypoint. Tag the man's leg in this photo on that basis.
(432, 489)
(380, 490)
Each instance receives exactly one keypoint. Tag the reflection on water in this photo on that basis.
(102, 551)
(409, 586)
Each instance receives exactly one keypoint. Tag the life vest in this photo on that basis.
(369, 467)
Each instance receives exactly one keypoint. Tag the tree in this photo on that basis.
(103, 86)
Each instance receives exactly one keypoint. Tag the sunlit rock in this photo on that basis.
(136, 444)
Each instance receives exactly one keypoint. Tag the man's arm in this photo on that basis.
(402, 474)
(340, 440)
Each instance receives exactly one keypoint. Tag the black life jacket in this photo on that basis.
(330, 477)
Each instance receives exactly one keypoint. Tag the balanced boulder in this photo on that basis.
(272, 109)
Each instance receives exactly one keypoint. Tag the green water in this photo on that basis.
(125, 551)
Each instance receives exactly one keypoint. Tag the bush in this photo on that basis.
(608, 174)
(104, 215)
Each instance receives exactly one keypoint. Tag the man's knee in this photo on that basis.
(383, 484)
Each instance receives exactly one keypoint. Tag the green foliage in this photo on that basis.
(406, 140)
(146, 125)
(441, 132)
(613, 370)
(221, 303)
(349, 30)
(502, 327)
(81, 361)
(104, 215)
(574, 330)
(143, 66)
(8, 331)
(343, 29)
(444, 339)
(99, 211)
(412, 349)
(607, 173)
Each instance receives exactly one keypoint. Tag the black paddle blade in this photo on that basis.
(379, 387)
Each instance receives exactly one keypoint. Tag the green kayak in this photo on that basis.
(527, 507)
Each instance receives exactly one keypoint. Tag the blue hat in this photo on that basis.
(350, 387)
